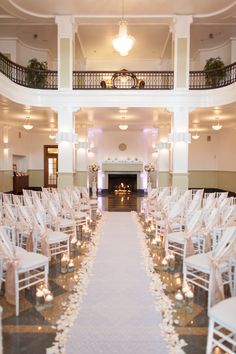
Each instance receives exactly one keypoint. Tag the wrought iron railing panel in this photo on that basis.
(123, 80)
(211, 79)
(40, 79)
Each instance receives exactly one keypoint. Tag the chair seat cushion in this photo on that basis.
(202, 262)
(66, 223)
(80, 214)
(56, 236)
(224, 313)
(177, 237)
(31, 260)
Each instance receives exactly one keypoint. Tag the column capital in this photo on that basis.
(66, 26)
(180, 26)
(177, 109)
(61, 108)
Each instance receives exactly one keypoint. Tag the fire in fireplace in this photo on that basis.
(122, 183)
(122, 188)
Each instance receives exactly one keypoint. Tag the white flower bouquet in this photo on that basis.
(94, 167)
(149, 167)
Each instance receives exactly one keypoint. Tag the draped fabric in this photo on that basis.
(29, 242)
(224, 249)
(189, 248)
(10, 292)
(45, 249)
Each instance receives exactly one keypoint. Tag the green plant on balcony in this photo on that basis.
(36, 75)
(214, 72)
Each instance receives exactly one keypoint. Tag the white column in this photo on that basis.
(66, 139)
(181, 50)
(163, 158)
(179, 138)
(6, 181)
(82, 157)
(65, 50)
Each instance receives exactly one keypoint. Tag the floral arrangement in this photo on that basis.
(94, 167)
(149, 167)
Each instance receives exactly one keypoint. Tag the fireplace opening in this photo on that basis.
(122, 183)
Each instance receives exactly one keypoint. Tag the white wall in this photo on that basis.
(203, 154)
(20, 142)
(138, 145)
(226, 150)
(226, 51)
(128, 64)
(8, 46)
(21, 53)
(218, 154)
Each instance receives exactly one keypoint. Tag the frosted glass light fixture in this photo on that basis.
(123, 125)
(217, 125)
(28, 125)
(52, 135)
(123, 42)
(195, 136)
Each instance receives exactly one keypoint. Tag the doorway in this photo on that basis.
(50, 165)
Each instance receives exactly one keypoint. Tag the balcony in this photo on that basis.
(117, 80)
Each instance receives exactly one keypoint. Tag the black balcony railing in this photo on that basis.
(124, 79)
(40, 79)
(210, 79)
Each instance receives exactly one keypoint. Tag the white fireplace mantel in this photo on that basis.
(122, 166)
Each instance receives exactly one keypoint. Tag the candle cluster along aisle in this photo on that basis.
(72, 307)
(184, 297)
(163, 303)
(43, 296)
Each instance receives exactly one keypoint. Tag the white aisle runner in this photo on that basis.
(117, 314)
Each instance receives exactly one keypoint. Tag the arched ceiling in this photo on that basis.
(110, 8)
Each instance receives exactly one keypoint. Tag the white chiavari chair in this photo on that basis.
(20, 269)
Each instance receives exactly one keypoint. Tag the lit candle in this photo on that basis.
(155, 242)
(172, 262)
(39, 297)
(164, 264)
(73, 244)
(71, 266)
(64, 264)
(179, 298)
(48, 298)
(189, 300)
(185, 287)
(46, 291)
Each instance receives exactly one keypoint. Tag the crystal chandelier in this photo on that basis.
(123, 42)
(27, 124)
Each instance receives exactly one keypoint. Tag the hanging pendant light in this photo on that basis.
(28, 125)
(52, 135)
(123, 42)
(123, 125)
(217, 125)
(195, 136)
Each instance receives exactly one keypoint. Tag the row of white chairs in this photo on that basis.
(34, 228)
(203, 233)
